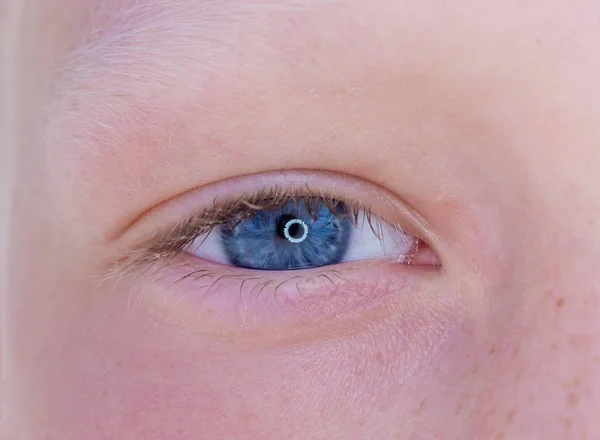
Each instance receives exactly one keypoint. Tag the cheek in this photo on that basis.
(128, 373)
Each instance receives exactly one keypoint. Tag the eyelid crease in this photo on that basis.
(168, 243)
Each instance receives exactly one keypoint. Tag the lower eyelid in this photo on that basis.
(402, 310)
(240, 302)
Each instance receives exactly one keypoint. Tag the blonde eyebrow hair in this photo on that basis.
(137, 51)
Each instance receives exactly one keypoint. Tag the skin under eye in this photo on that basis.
(304, 233)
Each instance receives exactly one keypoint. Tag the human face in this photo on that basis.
(471, 126)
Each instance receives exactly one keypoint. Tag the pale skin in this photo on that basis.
(481, 119)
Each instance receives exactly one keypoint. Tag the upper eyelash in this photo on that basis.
(169, 243)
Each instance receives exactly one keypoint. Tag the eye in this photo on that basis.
(303, 233)
(284, 250)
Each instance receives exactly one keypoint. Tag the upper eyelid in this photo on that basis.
(141, 241)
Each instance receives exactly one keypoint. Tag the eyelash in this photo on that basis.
(164, 247)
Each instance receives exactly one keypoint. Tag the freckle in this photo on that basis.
(379, 357)
(458, 408)
(492, 349)
(554, 346)
(568, 423)
(511, 414)
(515, 351)
(576, 381)
(518, 376)
(340, 90)
(560, 303)
(475, 368)
(573, 399)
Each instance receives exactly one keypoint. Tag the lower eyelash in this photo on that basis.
(258, 283)
(321, 293)
(174, 272)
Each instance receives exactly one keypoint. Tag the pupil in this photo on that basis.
(296, 230)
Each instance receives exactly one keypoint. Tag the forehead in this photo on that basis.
(133, 51)
(134, 58)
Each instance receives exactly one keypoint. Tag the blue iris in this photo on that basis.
(292, 237)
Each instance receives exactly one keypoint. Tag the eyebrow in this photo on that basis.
(136, 53)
